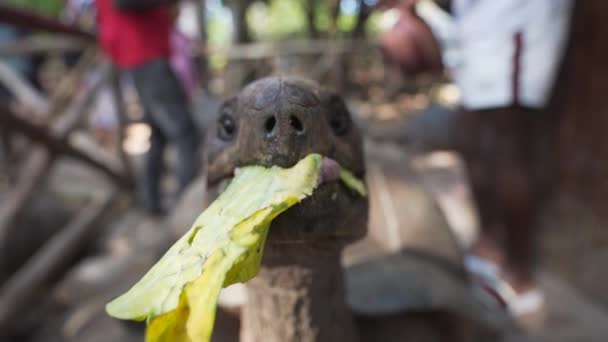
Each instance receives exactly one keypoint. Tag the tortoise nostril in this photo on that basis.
(269, 125)
(296, 124)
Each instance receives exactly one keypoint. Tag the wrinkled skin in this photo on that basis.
(278, 121)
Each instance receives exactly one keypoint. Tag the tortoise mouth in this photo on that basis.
(324, 201)
(333, 211)
(330, 172)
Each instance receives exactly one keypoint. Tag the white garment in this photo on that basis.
(504, 52)
(104, 112)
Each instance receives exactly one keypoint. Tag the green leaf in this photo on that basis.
(352, 182)
(178, 296)
(225, 240)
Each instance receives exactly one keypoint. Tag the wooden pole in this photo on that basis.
(31, 21)
(22, 90)
(39, 162)
(29, 283)
(201, 16)
(40, 45)
(57, 145)
(61, 95)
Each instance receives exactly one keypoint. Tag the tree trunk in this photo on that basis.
(201, 59)
(310, 7)
(239, 13)
(365, 12)
(575, 221)
(334, 14)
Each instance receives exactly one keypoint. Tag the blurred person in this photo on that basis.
(504, 55)
(135, 34)
(104, 121)
(182, 63)
(104, 118)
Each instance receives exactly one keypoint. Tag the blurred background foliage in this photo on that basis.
(267, 20)
(50, 8)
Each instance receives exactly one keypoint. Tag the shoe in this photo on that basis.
(493, 287)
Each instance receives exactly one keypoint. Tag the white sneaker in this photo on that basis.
(489, 281)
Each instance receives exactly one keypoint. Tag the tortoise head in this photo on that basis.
(279, 121)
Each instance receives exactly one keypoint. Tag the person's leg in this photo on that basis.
(477, 142)
(154, 160)
(517, 193)
(169, 110)
(498, 147)
(153, 171)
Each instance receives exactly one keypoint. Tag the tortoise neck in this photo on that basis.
(298, 296)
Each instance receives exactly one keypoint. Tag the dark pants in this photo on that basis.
(504, 149)
(170, 119)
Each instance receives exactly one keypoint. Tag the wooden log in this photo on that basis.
(29, 283)
(39, 162)
(72, 116)
(61, 95)
(39, 46)
(21, 89)
(60, 146)
(32, 177)
(29, 20)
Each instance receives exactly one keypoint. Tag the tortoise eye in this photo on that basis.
(226, 127)
(339, 123)
(339, 117)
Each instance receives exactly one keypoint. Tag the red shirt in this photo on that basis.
(131, 39)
